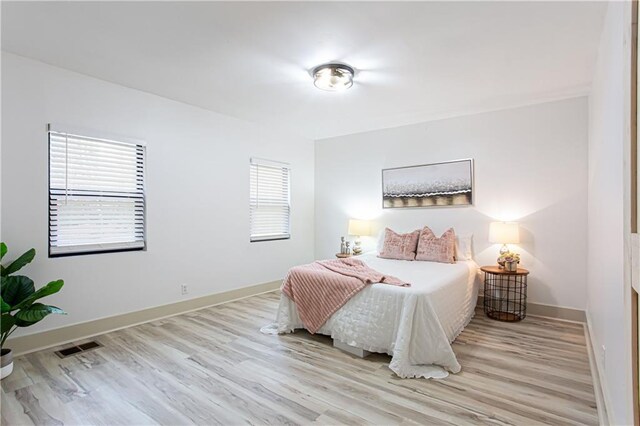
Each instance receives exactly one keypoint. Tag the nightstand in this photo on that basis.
(505, 293)
(343, 256)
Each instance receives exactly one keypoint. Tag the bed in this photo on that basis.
(415, 325)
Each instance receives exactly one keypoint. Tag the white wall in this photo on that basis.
(607, 310)
(197, 186)
(530, 166)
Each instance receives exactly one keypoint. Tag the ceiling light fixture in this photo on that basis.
(333, 77)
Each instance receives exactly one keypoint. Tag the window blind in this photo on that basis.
(269, 204)
(96, 194)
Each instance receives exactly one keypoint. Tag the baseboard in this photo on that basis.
(558, 312)
(59, 336)
(602, 396)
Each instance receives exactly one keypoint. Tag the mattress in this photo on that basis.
(415, 325)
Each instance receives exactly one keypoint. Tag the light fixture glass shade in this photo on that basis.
(359, 227)
(333, 77)
(504, 233)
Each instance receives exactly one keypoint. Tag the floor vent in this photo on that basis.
(73, 350)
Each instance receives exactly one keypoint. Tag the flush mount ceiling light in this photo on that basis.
(333, 77)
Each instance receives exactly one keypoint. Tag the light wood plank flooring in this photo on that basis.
(213, 366)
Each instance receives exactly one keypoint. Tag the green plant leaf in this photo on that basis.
(16, 288)
(3, 250)
(47, 290)
(4, 305)
(35, 313)
(19, 263)
(6, 322)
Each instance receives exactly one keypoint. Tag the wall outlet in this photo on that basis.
(184, 289)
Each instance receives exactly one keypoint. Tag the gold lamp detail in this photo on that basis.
(358, 228)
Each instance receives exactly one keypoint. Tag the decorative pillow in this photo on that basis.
(434, 249)
(399, 246)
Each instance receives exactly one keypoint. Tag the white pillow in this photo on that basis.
(380, 241)
(463, 247)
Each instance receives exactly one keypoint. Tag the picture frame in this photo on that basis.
(443, 184)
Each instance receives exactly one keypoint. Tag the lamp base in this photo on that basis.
(357, 248)
(504, 249)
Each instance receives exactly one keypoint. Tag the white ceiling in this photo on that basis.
(416, 61)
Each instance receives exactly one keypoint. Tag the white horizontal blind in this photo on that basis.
(269, 200)
(96, 195)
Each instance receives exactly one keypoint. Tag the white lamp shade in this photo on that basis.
(504, 233)
(359, 227)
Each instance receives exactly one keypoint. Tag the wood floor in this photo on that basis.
(213, 366)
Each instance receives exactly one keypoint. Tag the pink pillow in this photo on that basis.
(399, 246)
(434, 249)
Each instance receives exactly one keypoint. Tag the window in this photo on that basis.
(269, 200)
(96, 194)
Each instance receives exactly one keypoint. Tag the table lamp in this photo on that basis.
(504, 233)
(358, 228)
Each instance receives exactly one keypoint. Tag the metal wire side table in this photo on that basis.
(505, 293)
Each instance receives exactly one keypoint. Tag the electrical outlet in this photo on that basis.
(184, 289)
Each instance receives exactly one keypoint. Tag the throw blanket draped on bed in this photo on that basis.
(320, 288)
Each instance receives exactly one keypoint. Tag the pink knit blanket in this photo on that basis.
(320, 288)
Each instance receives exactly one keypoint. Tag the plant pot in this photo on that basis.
(511, 266)
(6, 363)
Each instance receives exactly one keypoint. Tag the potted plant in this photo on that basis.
(509, 261)
(18, 297)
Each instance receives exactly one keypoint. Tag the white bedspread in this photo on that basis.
(415, 325)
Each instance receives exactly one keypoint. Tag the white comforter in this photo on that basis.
(415, 325)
